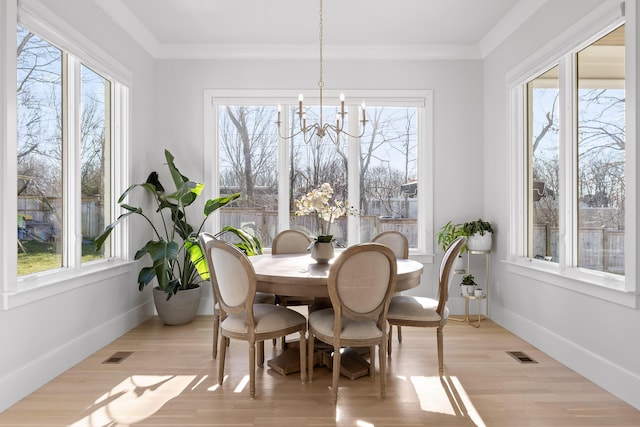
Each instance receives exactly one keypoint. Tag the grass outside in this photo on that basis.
(42, 256)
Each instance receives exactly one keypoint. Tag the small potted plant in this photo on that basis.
(446, 235)
(479, 235)
(468, 284)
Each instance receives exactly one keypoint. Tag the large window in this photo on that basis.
(575, 169)
(377, 174)
(64, 157)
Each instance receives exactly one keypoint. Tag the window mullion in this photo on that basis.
(353, 174)
(284, 164)
(72, 240)
(567, 164)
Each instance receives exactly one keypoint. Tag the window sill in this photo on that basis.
(37, 287)
(602, 286)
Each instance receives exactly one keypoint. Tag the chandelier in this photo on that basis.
(320, 128)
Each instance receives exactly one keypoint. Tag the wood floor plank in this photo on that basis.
(170, 380)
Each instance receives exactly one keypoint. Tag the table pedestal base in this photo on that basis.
(353, 365)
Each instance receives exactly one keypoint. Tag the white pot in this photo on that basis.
(322, 252)
(467, 289)
(181, 307)
(478, 292)
(479, 242)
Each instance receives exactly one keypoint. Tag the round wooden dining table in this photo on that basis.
(299, 275)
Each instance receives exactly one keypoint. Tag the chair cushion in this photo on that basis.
(268, 318)
(322, 321)
(404, 307)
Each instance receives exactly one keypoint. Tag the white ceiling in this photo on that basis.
(392, 29)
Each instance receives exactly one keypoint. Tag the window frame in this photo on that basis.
(562, 52)
(17, 291)
(423, 99)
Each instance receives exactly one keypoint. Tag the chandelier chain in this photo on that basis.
(321, 129)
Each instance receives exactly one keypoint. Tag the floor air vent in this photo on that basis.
(118, 357)
(521, 357)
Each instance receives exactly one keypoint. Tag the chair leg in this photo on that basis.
(310, 350)
(223, 352)
(336, 372)
(383, 368)
(216, 327)
(440, 352)
(252, 369)
(261, 354)
(303, 356)
(399, 334)
(372, 361)
(390, 338)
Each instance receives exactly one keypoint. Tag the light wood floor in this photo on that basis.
(170, 380)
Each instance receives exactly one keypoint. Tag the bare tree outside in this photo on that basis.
(600, 155)
(40, 148)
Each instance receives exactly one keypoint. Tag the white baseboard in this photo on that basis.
(28, 378)
(613, 378)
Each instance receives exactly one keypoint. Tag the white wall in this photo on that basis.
(458, 131)
(596, 338)
(40, 340)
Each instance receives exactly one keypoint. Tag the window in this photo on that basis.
(572, 117)
(65, 151)
(378, 174)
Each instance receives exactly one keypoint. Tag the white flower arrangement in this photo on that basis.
(319, 202)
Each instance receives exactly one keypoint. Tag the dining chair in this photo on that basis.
(291, 242)
(234, 285)
(366, 269)
(399, 244)
(260, 298)
(427, 312)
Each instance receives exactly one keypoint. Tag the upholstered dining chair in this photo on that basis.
(234, 285)
(399, 244)
(291, 242)
(260, 298)
(367, 269)
(427, 312)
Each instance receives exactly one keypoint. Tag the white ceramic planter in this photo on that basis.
(467, 289)
(322, 252)
(479, 242)
(180, 309)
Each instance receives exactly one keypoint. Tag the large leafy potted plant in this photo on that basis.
(177, 262)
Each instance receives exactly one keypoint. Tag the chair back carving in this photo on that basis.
(396, 240)
(290, 242)
(361, 282)
(446, 266)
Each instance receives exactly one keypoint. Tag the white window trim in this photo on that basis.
(420, 98)
(620, 290)
(19, 291)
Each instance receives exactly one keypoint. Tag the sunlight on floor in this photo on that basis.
(242, 384)
(445, 395)
(134, 399)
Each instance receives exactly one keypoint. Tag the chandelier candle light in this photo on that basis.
(321, 129)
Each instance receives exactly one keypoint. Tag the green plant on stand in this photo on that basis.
(468, 281)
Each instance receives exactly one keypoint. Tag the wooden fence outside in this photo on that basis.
(601, 249)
